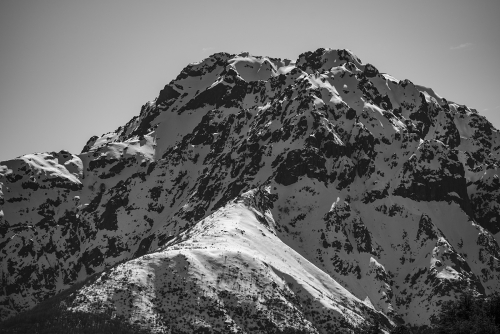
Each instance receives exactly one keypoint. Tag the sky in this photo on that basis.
(73, 69)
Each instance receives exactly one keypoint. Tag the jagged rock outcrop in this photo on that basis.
(313, 195)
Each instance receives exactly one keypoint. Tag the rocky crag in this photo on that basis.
(258, 194)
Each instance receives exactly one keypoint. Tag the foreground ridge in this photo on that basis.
(260, 194)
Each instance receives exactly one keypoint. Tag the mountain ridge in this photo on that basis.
(385, 187)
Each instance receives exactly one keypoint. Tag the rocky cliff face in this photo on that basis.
(261, 194)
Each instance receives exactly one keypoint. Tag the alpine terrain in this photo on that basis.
(262, 195)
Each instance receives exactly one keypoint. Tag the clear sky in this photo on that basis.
(73, 69)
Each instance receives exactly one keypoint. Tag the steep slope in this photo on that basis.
(229, 272)
(383, 185)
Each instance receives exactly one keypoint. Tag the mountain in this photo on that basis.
(260, 194)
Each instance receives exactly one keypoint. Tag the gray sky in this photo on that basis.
(73, 69)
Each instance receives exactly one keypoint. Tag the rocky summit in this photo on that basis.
(262, 195)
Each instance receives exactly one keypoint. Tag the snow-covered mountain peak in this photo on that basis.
(325, 59)
(318, 195)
